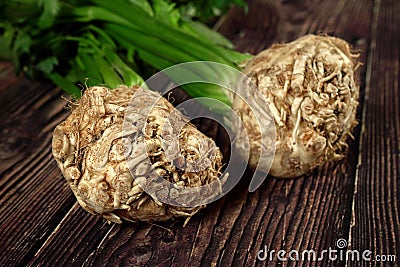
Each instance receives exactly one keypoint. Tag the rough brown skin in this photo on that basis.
(311, 92)
(88, 147)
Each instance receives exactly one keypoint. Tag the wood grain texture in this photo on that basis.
(41, 224)
(311, 212)
(376, 216)
(33, 196)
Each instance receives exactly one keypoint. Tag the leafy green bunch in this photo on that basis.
(92, 42)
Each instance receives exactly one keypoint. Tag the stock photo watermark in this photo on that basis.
(339, 253)
(233, 84)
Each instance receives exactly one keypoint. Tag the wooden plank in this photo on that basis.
(376, 216)
(33, 195)
(312, 212)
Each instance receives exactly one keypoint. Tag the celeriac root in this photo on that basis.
(91, 148)
(312, 95)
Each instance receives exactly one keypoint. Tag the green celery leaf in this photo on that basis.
(166, 12)
(6, 53)
(47, 65)
(143, 5)
(200, 30)
(50, 11)
(65, 85)
(22, 42)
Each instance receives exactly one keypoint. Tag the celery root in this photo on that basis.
(312, 95)
(107, 168)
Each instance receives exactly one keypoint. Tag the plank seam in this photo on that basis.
(74, 207)
(372, 46)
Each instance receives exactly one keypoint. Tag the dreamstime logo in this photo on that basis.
(341, 243)
(340, 253)
(228, 80)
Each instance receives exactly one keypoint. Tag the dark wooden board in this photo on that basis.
(33, 196)
(376, 222)
(355, 199)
